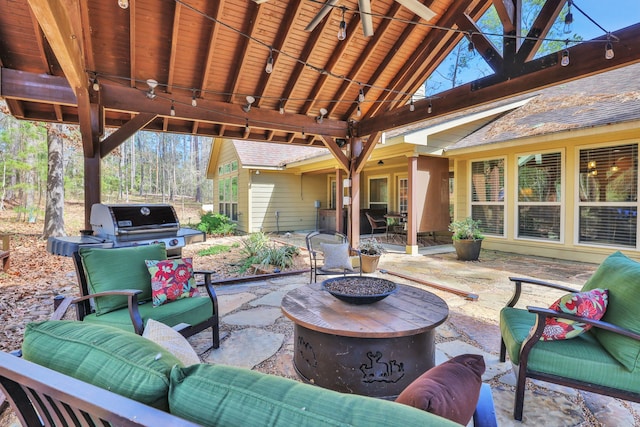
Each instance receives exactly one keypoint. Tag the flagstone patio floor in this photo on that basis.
(257, 336)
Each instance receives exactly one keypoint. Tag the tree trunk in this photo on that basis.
(196, 147)
(54, 207)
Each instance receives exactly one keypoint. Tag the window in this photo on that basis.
(228, 190)
(332, 193)
(539, 195)
(378, 194)
(487, 195)
(608, 195)
(403, 195)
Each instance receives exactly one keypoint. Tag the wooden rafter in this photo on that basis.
(41, 42)
(284, 33)
(362, 158)
(342, 47)
(174, 46)
(539, 30)
(124, 132)
(337, 152)
(132, 42)
(89, 59)
(210, 58)
(256, 14)
(365, 56)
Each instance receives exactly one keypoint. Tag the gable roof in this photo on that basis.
(600, 100)
(268, 155)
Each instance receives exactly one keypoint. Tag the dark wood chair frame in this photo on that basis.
(378, 224)
(523, 371)
(83, 304)
(316, 255)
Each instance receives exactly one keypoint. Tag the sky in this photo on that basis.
(612, 15)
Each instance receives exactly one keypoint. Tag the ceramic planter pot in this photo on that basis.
(467, 249)
(369, 263)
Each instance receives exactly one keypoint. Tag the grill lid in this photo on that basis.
(120, 220)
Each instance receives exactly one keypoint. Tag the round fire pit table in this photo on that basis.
(372, 349)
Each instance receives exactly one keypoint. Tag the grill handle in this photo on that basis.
(146, 229)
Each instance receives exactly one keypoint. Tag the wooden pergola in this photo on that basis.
(90, 62)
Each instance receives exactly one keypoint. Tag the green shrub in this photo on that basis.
(215, 250)
(260, 251)
(216, 224)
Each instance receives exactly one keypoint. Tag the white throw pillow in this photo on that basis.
(171, 339)
(336, 256)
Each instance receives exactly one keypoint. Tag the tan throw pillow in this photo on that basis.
(172, 340)
(336, 256)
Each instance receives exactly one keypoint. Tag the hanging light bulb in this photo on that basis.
(269, 67)
(361, 94)
(565, 57)
(173, 109)
(411, 106)
(608, 49)
(194, 102)
(342, 30)
(124, 4)
(568, 19)
(430, 107)
(471, 47)
(95, 85)
(358, 111)
(281, 109)
(246, 127)
(151, 93)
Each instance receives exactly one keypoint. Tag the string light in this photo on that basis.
(470, 47)
(342, 29)
(565, 55)
(358, 111)
(430, 108)
(281, 109)
(568, 18)
(246, 127)
(361, 94)
(95, 85)
(173, 109)
(124, 4)
(608, 49)
(411, 106)
(269, 67)
(194, 102)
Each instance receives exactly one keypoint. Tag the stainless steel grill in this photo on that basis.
(119, 225)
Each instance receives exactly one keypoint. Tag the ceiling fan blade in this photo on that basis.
(365, 17)
(326, 8)
(418, 8)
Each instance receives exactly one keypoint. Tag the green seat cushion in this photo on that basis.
(186, 310)
(621, 276)
(219, 395)
(122, 362)
(561, 357)
(118, 269)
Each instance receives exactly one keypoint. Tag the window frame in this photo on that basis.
(561, 203)
(228, 189)
(369, 202)
(502, 203)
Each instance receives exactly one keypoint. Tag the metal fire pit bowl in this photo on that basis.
(353, 290)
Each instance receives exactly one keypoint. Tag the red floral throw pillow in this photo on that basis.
(591, 305)
(171, 279)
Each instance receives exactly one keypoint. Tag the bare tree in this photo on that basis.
(54, 206)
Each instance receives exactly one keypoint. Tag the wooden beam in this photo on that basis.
(336, 151)
(539, 30)
(209, 59)
(56, 20)
(362, 158)
(591, 61)
(244, 59)
(174, 46)
(36, 87)
(132, 43)
(482, 45)
(125, 132)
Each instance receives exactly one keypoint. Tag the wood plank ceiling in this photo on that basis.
(215, 52)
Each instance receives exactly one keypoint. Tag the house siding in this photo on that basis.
(292, 196)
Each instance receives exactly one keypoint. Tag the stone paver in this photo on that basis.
(246, 348)
(261, 316)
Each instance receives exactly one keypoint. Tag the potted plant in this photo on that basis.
(467, 238)
(370, 250)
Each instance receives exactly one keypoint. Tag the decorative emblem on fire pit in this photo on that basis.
(306, 352)
(377, 370)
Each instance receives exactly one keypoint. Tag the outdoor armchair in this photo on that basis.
(331, 254)
(604, 359)
(115, 289)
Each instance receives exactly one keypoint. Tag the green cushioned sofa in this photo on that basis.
(79, 356)
(604, 360)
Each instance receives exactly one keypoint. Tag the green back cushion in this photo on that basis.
(621, 276)
(218, 395)
(122, 362)
(118, 269)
